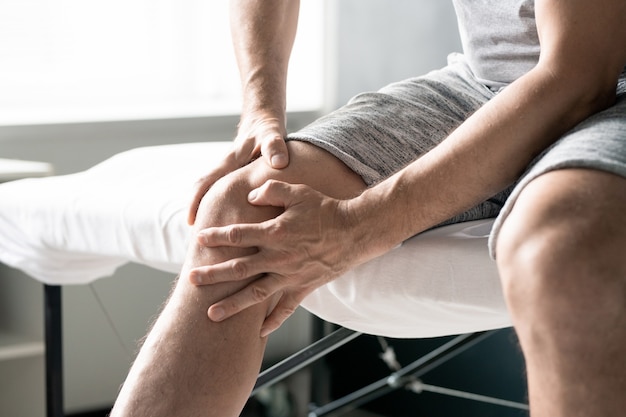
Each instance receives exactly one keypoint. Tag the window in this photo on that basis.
(86, 60)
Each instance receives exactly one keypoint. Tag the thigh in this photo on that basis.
(563, 243)
(596, 144)
(577, 208)
(378, 133)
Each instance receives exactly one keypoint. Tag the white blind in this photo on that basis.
(76, 60)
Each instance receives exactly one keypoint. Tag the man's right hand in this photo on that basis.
(263, 32)
(257, 137)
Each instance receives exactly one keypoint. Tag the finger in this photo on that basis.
(236, 269)
(274, 193)
(227, 165)
(236, 235)
(256, 292)
(283, 310)
(246, 150)
(274, 149)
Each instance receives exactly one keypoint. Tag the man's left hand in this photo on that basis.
(305, 247)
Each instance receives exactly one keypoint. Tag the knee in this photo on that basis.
(561, 251)
(226, 201)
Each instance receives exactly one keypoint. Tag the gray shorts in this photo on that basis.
(379, 133)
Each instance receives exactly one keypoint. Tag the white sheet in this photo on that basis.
(77, 228)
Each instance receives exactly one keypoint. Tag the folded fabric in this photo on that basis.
(77, 228)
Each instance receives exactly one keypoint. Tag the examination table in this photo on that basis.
(74, 229)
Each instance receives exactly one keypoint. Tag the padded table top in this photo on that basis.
(77, 228)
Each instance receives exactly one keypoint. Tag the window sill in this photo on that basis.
(75, 146)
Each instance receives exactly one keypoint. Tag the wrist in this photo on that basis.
(262, 94)
(389, 212)
(264, 118)
(371, 224)
(267, 108)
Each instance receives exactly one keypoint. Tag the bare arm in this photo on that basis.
(263, 33)
(583, 50)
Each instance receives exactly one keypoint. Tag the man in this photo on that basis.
(537, 100)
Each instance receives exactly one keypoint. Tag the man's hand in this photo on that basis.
(257, 137)
(263, 32)
(308, 245)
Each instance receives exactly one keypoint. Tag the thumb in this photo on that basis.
(276, 151)
(273, 193)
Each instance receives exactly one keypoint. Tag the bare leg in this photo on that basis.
(190, 366)
(562, 255)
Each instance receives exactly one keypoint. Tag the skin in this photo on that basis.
(263, 33)
(561, 256)
(272, 230)
(188, 365)
(575, 78)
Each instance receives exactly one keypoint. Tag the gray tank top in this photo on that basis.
(499, 38)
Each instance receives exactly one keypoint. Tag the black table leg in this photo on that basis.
(54, 350)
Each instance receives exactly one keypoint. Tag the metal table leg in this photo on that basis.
(304, 357)
(54, 350)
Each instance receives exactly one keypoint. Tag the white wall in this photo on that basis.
(378, 41)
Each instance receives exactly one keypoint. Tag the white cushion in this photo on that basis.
(76, 228)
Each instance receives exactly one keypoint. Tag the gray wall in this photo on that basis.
(381, 41)
(378, 42)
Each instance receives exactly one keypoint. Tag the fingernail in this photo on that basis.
(279, 161)
(252, 195)
(216, 314)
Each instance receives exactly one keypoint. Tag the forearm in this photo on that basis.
(263, 32)
(483, 156)
(582, 55)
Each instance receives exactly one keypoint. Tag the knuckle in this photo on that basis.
(275, 139)
(259, 293)
(234, 234)
(276, 231)
(239, 269)
(272, 184)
